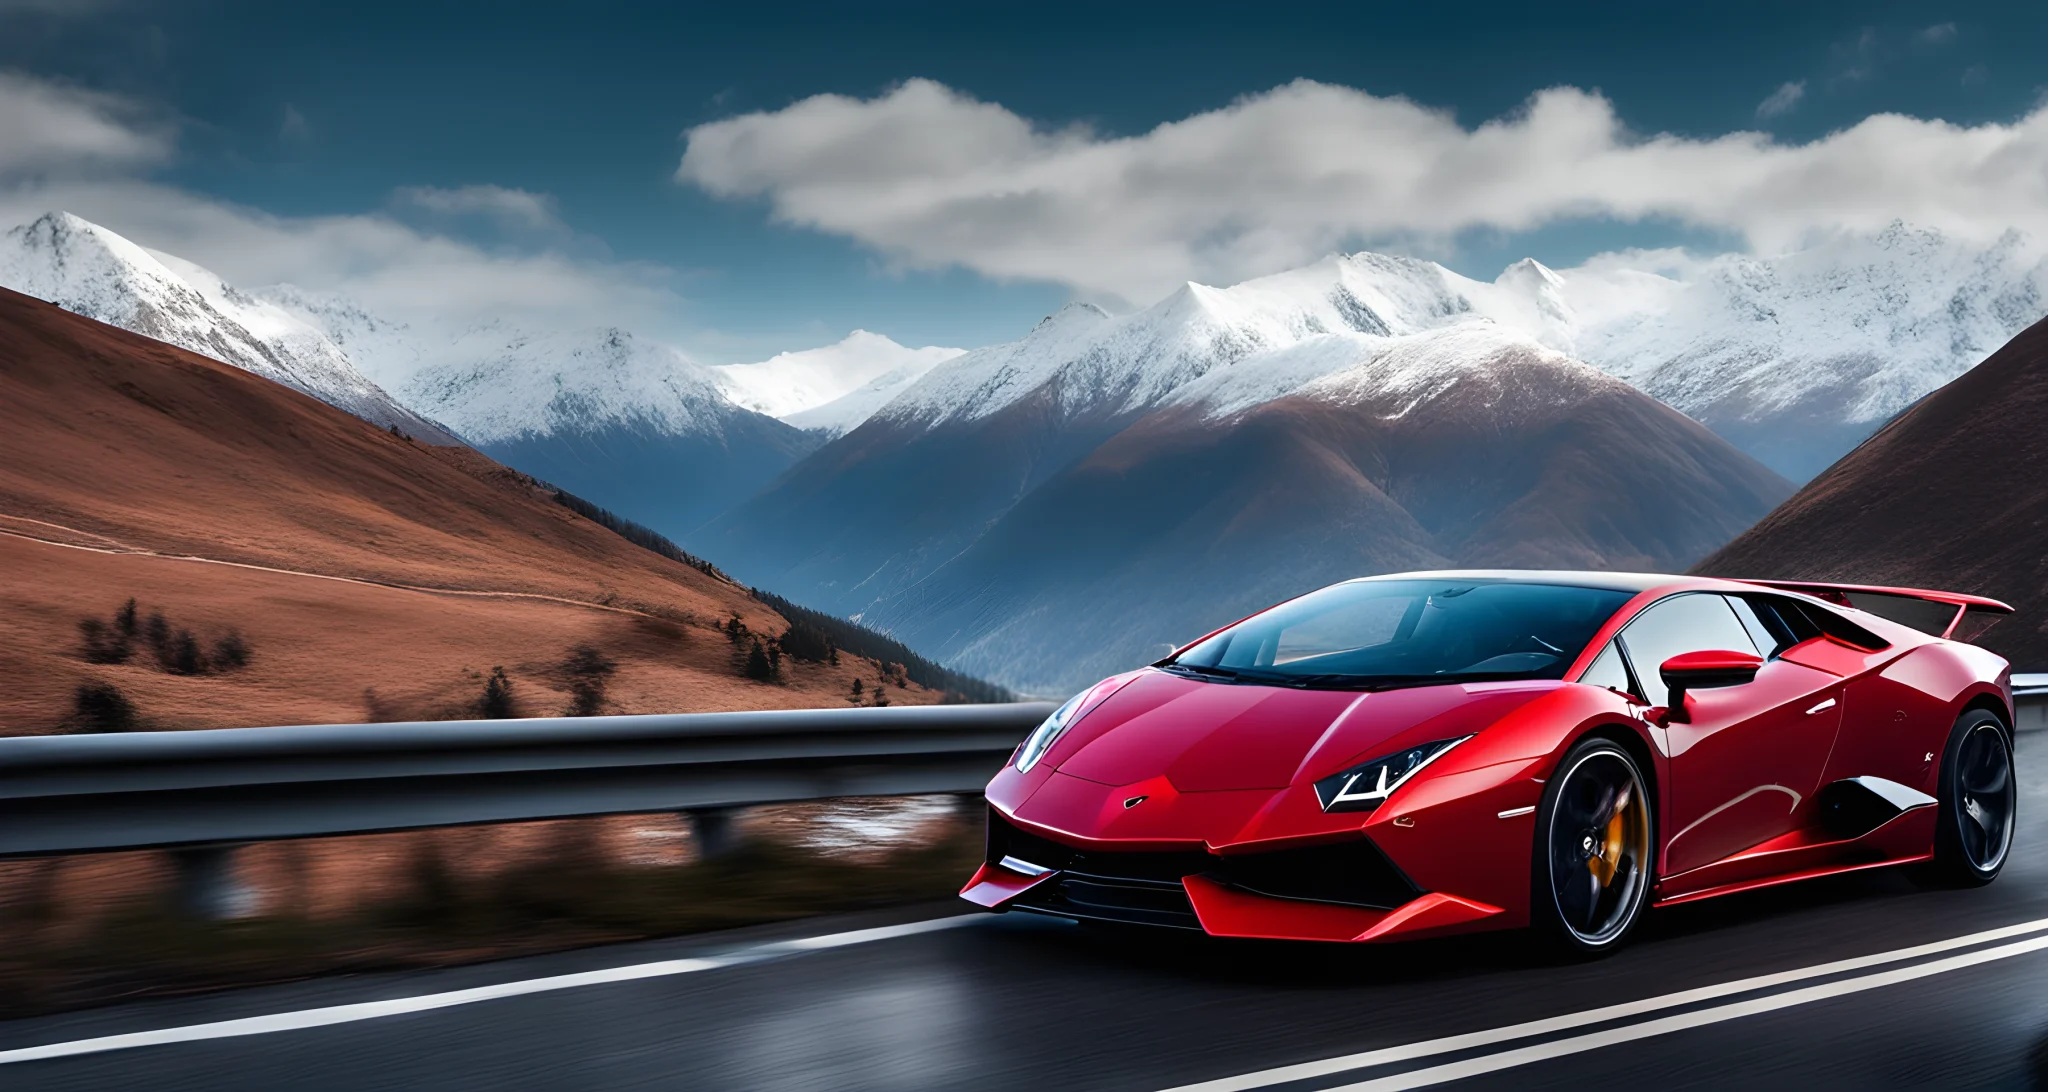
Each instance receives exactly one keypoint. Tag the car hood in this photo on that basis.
(1211, 737)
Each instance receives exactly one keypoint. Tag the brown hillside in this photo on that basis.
(350, 558)
(1952, 494)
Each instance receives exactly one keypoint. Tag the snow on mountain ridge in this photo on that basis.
(805, 382)
(1796, 356)
(91, 271)
(1799, 356)
(498, 383)
(1122, 365)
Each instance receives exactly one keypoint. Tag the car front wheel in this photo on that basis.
(1594, 852)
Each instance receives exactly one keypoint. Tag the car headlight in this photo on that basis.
(1048, 732)
(1365, 787)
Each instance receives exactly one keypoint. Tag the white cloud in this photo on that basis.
(1938, 34)
(513, 208)
(88, 153)
(932, 178)
(1782, 100)
(46, 127)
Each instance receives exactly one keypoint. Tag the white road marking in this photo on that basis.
(1430, 1047)
(373, 1010)
(1509, 1059)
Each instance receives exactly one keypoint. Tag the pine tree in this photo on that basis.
(180, 655)
(497, 702)
(102, 644)
(230, 652)
(590, 673)
(101, 707)
(157, 631)
(758, 667)
(124, 619)
(881, 694)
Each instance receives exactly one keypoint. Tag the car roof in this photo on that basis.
(1623, 582)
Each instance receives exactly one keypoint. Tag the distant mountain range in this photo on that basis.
(1046, 509)
(1115, 485)
(1952, 495)
(631, 424)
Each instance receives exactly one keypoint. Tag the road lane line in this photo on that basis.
(1427, 1048)
(374, 1010)
(1509, 1059)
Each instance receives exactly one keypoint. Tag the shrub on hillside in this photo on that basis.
(101, 707)
(103, 644)
(590, 673)
(497, 702)
(179, 654)
(230, 652)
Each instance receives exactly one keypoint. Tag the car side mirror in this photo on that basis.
(1705, 671)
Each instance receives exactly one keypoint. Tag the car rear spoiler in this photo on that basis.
(1936, 612)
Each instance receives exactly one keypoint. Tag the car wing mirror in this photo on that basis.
(1689, 671)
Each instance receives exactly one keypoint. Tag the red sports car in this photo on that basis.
(1432, 753)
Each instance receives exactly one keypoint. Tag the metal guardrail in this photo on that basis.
(80, 794)
(2030, 702)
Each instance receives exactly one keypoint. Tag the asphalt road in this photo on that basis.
(1012, 1002)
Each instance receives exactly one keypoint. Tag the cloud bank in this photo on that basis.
(62, 148)
(933, 177)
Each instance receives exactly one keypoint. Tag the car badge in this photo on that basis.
(1135, 801)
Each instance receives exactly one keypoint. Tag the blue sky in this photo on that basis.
(307, 111)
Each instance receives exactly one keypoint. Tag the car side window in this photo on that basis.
(1609, 670)
(1690, 622)
(1776, 624)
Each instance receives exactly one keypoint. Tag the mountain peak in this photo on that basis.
(1530, 271)
(93, 271)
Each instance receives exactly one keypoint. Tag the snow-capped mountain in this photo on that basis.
(91, 271)
(1091, 363)
(1063, 457)
(497, 382)
(1469, 445)
(634, 425)
(1798, 357)
(1102, 515)
(832, 388)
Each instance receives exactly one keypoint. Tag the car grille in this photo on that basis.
(1144, 888)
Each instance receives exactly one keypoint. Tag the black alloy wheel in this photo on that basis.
(1979, 801)
(1595, 851)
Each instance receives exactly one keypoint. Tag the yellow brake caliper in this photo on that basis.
(1604, 863)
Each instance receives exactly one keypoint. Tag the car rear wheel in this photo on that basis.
(1979, 798)
(1594, 853)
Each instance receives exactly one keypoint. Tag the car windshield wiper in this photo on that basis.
(1239, 675)
(1198, 669)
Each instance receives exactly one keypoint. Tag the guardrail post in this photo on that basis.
(712, 829)
(208, 889)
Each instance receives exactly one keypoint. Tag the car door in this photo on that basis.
(1746, 764)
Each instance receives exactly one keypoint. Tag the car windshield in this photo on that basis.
(1383, 633)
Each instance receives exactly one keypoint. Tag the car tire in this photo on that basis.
(1593, 864)
(1979, 799)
